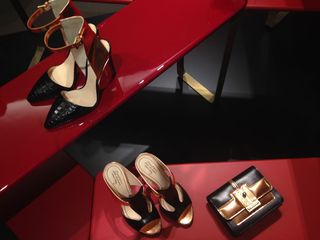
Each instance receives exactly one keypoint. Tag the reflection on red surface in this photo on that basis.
(61, 212)
(288, 222)
(298, 5)
(306, 175)
(146, 38)
(12, 200)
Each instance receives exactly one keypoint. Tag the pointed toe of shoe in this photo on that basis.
(49, 123)
(44, 89)
(62, 112)
(59, 113)
(33, 97)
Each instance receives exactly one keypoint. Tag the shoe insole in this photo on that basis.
(63, 74)
(57, 6)
(155, 175)
(86, 96)
(153, 172)
(116, 179)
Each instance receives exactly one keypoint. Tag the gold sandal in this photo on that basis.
(174, 201)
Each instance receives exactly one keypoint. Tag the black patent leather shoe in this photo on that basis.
(137, 209)
(174, 201)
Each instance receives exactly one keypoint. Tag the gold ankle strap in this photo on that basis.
(76, 43)
(47, 6)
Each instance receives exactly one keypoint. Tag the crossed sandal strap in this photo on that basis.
(139, 204)
(60, 8)
(171, 196)
(76, 43)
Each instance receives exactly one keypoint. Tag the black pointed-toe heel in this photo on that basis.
(174, 201)
(137, 209)
(60, 77)
(75, 103)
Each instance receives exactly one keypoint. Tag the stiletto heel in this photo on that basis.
(137, 209)
(174, 201)
(94, 52)
(60, 77)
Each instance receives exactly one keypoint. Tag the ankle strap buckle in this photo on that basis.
(76, 43)
(78, 40)
(44, 8)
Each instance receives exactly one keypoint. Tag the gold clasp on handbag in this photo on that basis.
(243, 194)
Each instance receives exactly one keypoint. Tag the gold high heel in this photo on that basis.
(175, 203)
(137, 209)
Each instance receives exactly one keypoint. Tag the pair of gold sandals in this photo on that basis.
(87, 55)
(137, 208)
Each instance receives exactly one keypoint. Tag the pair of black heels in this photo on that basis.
(137, 208)
(87, 54)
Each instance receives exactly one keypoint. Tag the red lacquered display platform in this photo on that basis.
(289, 5)
(296, 219)
(63, 211)
(146, 38)
(107, 1)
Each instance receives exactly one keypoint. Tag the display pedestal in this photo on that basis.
(295, 179)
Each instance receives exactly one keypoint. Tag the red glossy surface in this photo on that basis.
(63, 211)
(295, 5)
(34, 183)
(107, 1)
(295, 179)
(146, 38)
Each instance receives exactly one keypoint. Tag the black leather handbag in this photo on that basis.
(244, 200)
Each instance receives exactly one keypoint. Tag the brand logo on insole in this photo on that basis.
(150, 167)
(116, 177)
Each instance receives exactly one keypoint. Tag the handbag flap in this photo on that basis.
(245, 198)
